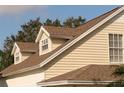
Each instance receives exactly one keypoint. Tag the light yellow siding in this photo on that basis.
(27, 79)
(25, 56)
(57, 42)
(93, 49)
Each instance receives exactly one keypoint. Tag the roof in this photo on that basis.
(61, 32)
(35, 59)
(27, 46)
(94, 21)
(89, 73)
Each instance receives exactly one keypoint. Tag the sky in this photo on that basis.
(12, 17)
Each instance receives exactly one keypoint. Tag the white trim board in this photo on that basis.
(73, 82)
(42, 30)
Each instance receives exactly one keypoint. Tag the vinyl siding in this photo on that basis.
(57, 42)
(25, 56)
(27, 79)
(93, 49)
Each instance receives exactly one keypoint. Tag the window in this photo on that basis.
(17, 57)
(45, 44)
(115, 48)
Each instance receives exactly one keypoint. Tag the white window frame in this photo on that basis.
(116, 54)
(17, 56)
(45, 45)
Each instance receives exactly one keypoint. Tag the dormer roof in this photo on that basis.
(25, 47)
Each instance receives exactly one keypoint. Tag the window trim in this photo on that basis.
(45, 44)
(17, 56)
(116, 48)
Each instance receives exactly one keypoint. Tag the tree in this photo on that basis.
(27, 33)
(69, 22)
(48, 22)
(119, 72)
(79, 21)
(57, 23)
(74, 22)
(1, 60)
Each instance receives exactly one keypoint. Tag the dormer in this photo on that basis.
(51, 37)
(17, 54)
(23, 50)
(44, 41)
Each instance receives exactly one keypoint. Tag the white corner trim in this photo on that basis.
(81, 36)
(42, 29)
(72, 82)
(15, 46)
(45, 31)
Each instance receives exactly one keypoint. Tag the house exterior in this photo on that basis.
(82, 56)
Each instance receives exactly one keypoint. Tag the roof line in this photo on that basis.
(97, 17)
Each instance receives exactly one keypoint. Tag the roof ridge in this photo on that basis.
(100, 16)
(58, 27)
(25, 42)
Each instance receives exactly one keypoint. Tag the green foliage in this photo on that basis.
(119, 71)
(57, 23)
(48, 22)
(1, 59)
(1, 54)
(118, 83)
(74, 22)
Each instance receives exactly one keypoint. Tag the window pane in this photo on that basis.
(116, 43)
(116, 52)
(115, 37)
(111, 44)
(120, 44)
(17, 58)
(46, 41)
(111, 59)
(120, 37)
(111, 52)
(17, 54)
(116, 59)
(120, 52)
(110, 37)
(45, 47)
(120, 58)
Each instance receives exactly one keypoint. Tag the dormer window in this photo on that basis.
(44, 44)
(17, 57)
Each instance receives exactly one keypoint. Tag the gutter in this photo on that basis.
(72, 82)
